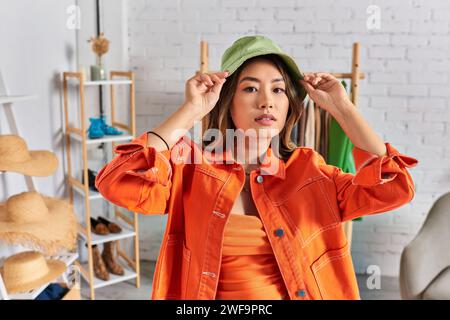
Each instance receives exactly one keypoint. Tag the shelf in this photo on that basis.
(101, 83)
(127, 232)
(92, 194)
(123, 137)
(78, 138)
(12, 99)
(68, 259)
(98, 283)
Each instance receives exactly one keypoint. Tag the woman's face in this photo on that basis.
(260, 101)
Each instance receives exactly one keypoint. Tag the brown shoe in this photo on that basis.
(112, 227)
(108, 256)
(98, 227)
(99, 265)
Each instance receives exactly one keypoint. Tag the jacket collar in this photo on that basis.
(272, 165)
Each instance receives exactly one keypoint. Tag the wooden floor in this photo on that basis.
(127, 291)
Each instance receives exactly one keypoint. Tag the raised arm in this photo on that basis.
(382, 181)
(140, 177)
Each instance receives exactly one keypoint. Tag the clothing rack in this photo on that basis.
(354, 76)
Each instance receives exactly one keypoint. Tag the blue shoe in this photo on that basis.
(108, 130)
(95, 130)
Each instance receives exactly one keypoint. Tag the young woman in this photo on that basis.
(255, 220)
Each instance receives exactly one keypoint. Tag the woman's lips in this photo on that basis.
(265, 121)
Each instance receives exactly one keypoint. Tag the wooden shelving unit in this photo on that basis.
(79, 136)
(7, 101)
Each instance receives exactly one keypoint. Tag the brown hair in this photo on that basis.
(220, 116)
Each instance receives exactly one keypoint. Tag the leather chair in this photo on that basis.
(425, 261)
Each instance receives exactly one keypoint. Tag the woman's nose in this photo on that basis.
(266, 102)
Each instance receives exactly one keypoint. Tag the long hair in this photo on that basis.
(220, 115)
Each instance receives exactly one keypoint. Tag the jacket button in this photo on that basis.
(279, 232)
(301, 293)
(259, 179)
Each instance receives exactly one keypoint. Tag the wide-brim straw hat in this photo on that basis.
(15, 157)
(39, 222)
(29, 270)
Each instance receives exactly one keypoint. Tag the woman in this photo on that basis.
(249, 219)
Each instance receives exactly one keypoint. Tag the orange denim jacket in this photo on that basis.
(302, 206)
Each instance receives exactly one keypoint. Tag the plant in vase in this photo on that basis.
(100, 46)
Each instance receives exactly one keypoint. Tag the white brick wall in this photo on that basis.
(405, 96)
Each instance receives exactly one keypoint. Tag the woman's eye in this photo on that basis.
(253, 89)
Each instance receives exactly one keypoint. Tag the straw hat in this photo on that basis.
(42, 223)
(15, 157)
(29, 270)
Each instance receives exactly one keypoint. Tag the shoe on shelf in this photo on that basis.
(98, 227)
(109, 258)
(95, 130)
(108, 130)
(91, 179)
(100, 270)
(112, 227)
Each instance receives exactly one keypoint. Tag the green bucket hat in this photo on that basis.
(251, 46)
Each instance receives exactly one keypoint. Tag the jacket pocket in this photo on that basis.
(334, 275)
(310, 212)
(209, 171)
(174, 271)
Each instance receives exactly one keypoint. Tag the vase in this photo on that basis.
(98, 72)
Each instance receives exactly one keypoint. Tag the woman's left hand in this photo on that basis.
(326, 91)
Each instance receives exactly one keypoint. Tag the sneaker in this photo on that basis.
(95, 130)
(108, 130)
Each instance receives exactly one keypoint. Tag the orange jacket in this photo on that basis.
(302, 207)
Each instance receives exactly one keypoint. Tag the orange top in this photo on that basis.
(249, 270)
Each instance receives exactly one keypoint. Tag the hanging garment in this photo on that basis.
(310, 124)
(249, 270)
(294, 133)
(302, 124)
(317, 129)
(326, 136)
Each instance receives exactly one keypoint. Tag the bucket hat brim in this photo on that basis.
(253, 46)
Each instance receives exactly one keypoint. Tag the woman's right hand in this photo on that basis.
(203, 90)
